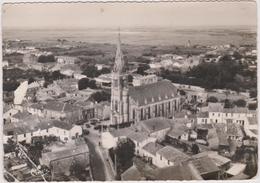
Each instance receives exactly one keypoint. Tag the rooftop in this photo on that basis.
(152, 93)
(60, 106)
(65, 153)
(156, 124)
(179, 172)
(131, 173)
(215, 107)
(172, 154)
(234, 129)
(138, 136)
(204, 165)
(152, 147)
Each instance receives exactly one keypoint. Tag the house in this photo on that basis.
(34, 126)
(183, 171)
(140, 139)
(60, 161)
(19, 116)
(156, 127)
(104, 80)
(132, 174)
(234, 132)
(110, 139)
(8, 114)
(139, 80)
(178, 132)
(148, 152)
(102, 110)
(206, 167)
(64, 111)
(251, 127)
(169, 156)
(236, 169)
(221, 162)
(66, 59)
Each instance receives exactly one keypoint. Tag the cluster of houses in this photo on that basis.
(166, 144)
(175, 62)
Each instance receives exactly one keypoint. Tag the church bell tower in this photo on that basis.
(119, 89)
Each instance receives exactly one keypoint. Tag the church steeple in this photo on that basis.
(120, 64)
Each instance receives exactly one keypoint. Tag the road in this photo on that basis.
(100, 167)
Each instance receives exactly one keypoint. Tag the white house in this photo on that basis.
(24, 131)
(169, 156)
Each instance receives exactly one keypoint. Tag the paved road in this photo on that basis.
(96, 162)
(101, 168)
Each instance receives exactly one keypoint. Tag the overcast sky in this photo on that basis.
(71, 15)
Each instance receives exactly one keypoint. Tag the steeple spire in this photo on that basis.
(120, 65)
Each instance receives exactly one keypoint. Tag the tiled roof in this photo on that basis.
(252, 120)
(203, 115)
(172, 154)
(73, 151)
(236, 110)
(152, 147)
(21, 115)
(214, 156)
(179, 172)
(234, 129)
(33, 124)
(131, 173)
(155, 124)
(152, 93)
(60, 106)
(215, 107)
(204, 165)
(122, 132)
(177, 130)
(138, 136)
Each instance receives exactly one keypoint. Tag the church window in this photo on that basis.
(149, 112)
(133, 114)
(116, 106)
(142, 114)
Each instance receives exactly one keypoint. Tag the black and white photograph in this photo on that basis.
(129, 91)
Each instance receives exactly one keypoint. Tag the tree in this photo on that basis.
(31, 80)
(78, 170)
(195, 149)
(83, 83)
(86, 83)
(182, 92)
(46, 58)
(101, 96)
(124, 155)
(142, 68)
(91, 71)
(212, 99)
(228, 104)
(240, 103)
(57, 75)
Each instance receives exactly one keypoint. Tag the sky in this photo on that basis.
(91, 15)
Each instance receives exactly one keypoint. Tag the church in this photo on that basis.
(131, 104)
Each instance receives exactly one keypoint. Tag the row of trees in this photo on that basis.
(46, 58)
(91, 71)
(227, 73)
(228, 103)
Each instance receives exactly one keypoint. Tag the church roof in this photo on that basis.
(152, 93)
